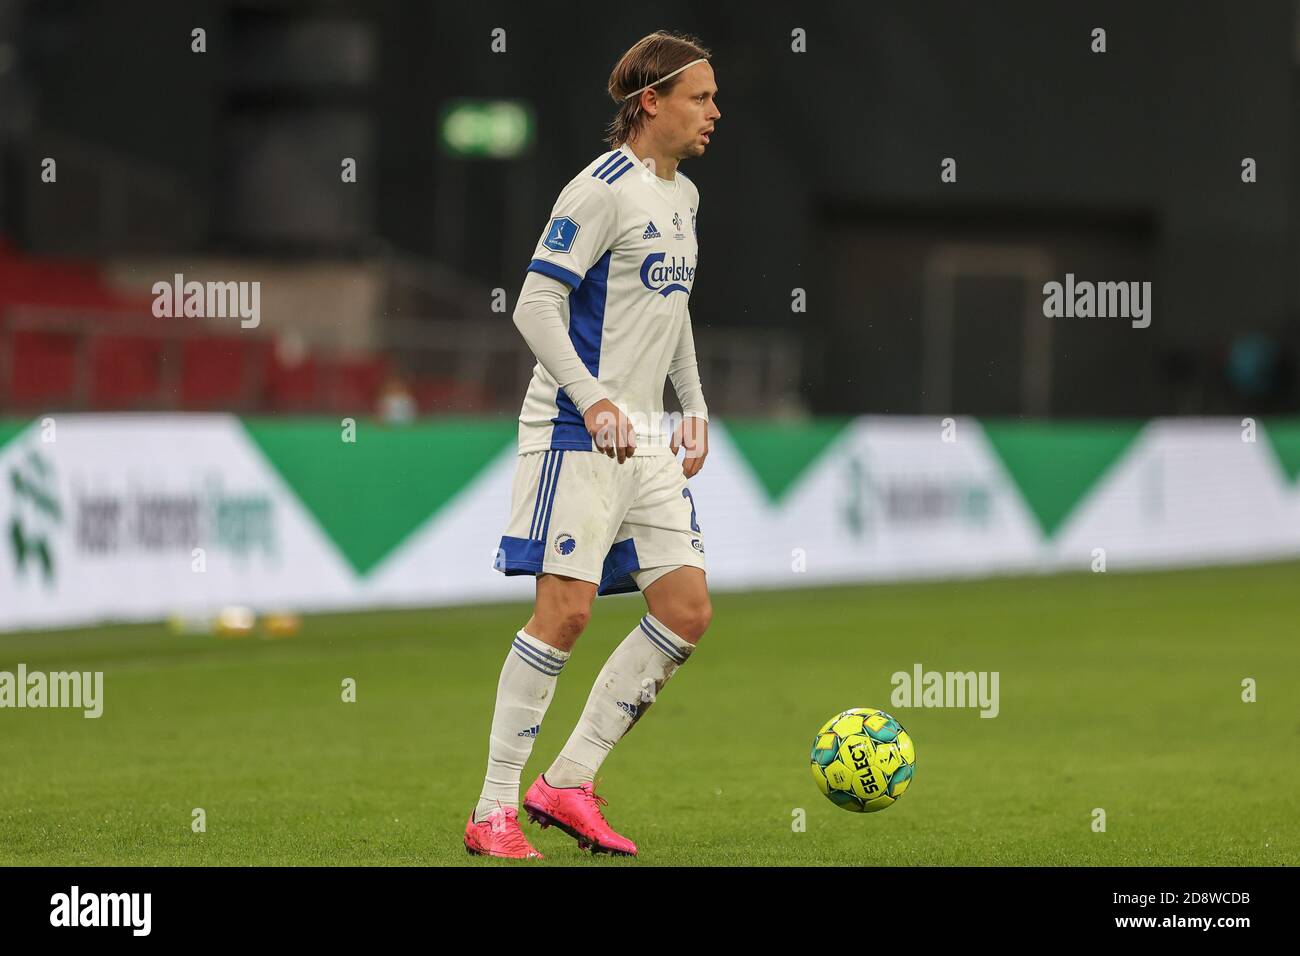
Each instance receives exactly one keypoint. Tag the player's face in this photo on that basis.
(691, 110)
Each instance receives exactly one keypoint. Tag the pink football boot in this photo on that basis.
(576, 811)
(499, 835)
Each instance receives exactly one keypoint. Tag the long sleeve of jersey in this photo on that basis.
(684, 372)
(539, 317)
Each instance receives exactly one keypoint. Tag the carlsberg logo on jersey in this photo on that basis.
(665, 275)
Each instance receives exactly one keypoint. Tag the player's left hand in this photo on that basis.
(693, 435)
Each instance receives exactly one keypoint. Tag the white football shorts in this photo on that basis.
(583, 515)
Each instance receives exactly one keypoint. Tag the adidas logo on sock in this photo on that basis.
(650, 231)
(629, 709)
(530, 732)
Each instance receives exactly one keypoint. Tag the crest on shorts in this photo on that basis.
(565, 544)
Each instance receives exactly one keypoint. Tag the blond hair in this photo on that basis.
(649, 58)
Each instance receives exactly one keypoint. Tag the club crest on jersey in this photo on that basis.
(565, 544)
(665, 275)
(560, 234)
(693, 233)
(650, 231)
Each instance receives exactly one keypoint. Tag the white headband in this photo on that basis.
(668, 77)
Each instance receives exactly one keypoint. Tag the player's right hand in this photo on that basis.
(611, 430)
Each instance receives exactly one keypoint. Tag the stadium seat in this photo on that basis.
(355, 383)
(126, 372)
(290, 388)
(212, 373)
(43, 368)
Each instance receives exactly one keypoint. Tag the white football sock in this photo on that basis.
(624, 690)
(527, 684)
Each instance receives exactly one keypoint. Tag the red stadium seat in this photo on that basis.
(126, 372)
(356, 383)
(290, 388)
(212, 373)
(43, 368)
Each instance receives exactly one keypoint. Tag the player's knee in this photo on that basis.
(691, 620)
(573, 621)
(559, 623)
(703, 618)
(567, 617)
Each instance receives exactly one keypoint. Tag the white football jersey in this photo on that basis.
(623, 240)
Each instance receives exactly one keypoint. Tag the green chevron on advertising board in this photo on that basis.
(1055, 465)
(369, 493)
(779, 453)
(1283, 437)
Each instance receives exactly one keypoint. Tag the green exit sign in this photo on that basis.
(495, 129)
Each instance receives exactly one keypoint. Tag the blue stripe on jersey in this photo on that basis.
(586, 324)
(617, 170)
(570, 430)
(620, 172)
(607, 168)
(609, 161)
(547, 268)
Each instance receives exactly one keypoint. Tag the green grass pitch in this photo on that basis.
(1118, 691)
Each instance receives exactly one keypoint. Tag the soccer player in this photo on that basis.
(601, 504)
